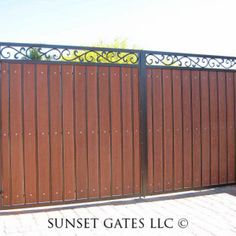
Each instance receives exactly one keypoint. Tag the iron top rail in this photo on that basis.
(110, 56)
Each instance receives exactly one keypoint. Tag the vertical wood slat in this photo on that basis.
(136, 130)
(187, 128)
(5, 124)
(158, 130)
(16, 129)
(168, 130)
(214, 165)
(116, 124)
(177, 116)
(196, 119)
(43, 134)
(104, 120)
(205, 128)
(127, 132)
(56, 134)
(30, 134)
(149, 131)
(92, 113)
(222, 128)
(230, 128)
(68, 133)
(81, 132)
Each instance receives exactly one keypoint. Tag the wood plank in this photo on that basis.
(16, 129)
(30, 134)
(222, 128)
(56, 133)
(116, 124)
(214, 128)
(68, 133)
(196, 118)
(6, 158)
(230, 127)
(205, 119)
(137, 166)
(104, 119)
(127, 132)
(168, 130)
(81, 132)
(187, 128)
(92, 113)
(43, 134)
(158, 130)
(177, 116)
(149, 132)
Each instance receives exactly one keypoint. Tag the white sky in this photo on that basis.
(195, 26)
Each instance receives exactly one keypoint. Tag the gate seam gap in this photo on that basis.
(36, 132)
(23, 129)
(110, 123)
(49, 135)
(132, 128)
(62, 134)
(121, 126)
(98, 131)
(74, 132)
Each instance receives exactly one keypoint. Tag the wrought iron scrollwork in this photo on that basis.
(190, 61)
(83, 55)
(67, 54)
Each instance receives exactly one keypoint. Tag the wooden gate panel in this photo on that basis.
(116, 127)
(43, 154)
(177, 126)
(81, 131)
(56, 133)
(5, 125)
(30, 151)
(205, 128)
(230, 128)
(104, 124)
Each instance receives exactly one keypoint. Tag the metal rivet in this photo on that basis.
(116, 131)
(105, 188)
(69, 191)
(4, 134)
(31, 195)
(55, 132)
(16, 134)
(4, 71)
(28, 72)
(17, 195)
(91, 73)
(128, 186)
(41, 72)
(93, 189)
(55, 72)
(79, 73)
(42, 133)
(80, 132)
(15, 71)
(68, 132)
(117, 187)
(136, 130)
(103, 73)
(56, 192)
(6, 196)
(127, 131)
(29, 133)
(44, 194)
(92, 131)
(104, 131)
(81, 190)
(115, 74)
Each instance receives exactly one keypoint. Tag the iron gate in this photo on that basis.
(81, 124)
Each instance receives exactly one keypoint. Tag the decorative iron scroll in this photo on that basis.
(189, 61)
(67, 54)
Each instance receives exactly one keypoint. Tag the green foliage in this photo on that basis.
(34, 54)
(104, 57)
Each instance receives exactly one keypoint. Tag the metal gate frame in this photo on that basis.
(141, 59)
